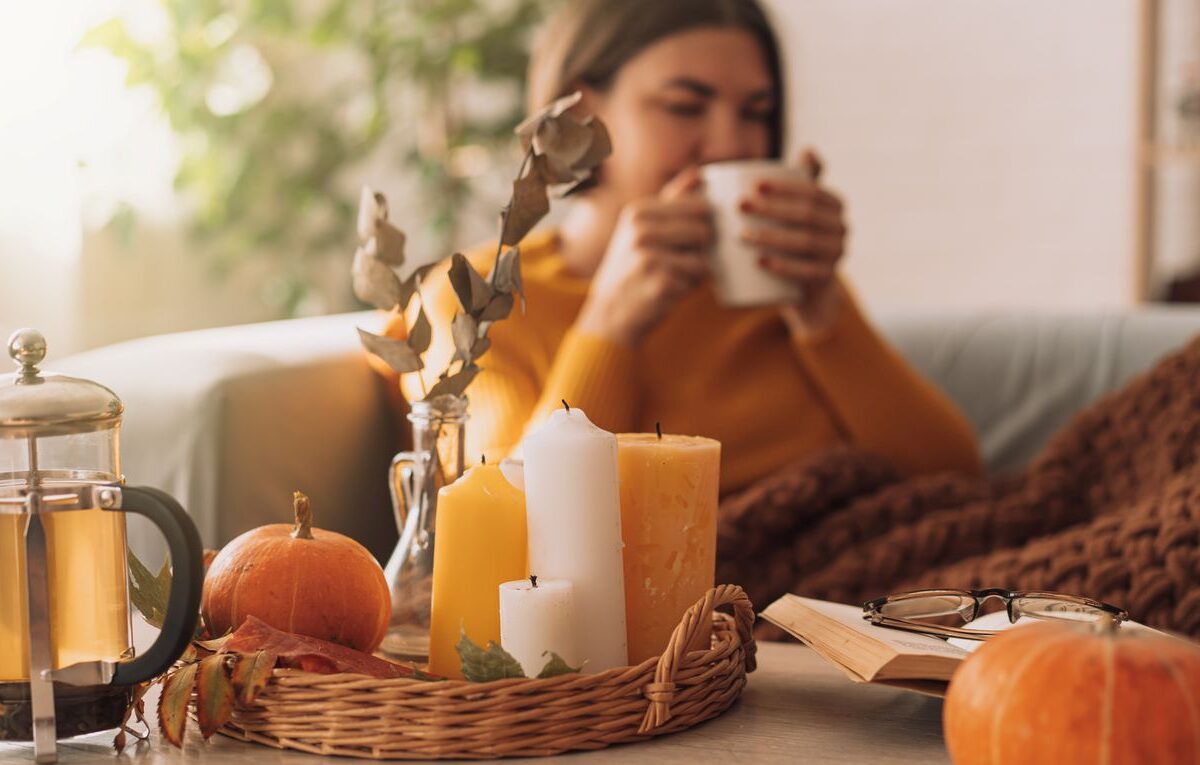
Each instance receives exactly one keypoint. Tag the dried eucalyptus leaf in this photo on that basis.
(481, 347)
(551, 172)
(557, 666)
(173, 703)
(507, 277)
(148, 592)
(499, 308)
(408, 287)
(389, 244)
(528, 127)
(421, 333)
(465, 331)
(214, 694)
(598, 149)
(563, 138)
(455, 384)
(374, 282)
(395, 353)
(480, 666)
(472, 291)
(529, 205)
(372, 207)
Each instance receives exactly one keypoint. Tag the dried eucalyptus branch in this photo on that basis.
(561, 152)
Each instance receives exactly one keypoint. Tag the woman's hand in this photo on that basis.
(807, 248)
(657, 256)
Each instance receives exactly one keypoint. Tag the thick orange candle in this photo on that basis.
(480, 543)
(669, 490)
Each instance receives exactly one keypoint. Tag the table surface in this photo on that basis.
(796, 709)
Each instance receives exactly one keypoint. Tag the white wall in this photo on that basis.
(985, 148)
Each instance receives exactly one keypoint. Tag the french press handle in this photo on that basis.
(187, 577)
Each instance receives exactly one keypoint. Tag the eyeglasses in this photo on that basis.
(929, 611)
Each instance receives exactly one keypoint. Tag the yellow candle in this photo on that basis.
(669, 490)
(479, 538)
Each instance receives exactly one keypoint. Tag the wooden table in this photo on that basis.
(796, 709)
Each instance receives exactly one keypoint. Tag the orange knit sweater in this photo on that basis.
(736, 375)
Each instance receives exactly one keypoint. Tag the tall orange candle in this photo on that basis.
(479, 538)
(669, 491)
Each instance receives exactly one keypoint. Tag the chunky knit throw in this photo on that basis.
(1109, 510)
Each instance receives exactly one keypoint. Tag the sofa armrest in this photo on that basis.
(1021, 377)
(230, 421)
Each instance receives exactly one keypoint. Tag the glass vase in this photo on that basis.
(436, 459)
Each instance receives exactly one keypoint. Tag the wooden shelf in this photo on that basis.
(1155, 154)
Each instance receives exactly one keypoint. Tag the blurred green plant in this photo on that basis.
(281, 107)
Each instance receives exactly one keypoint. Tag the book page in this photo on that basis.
(851, 617)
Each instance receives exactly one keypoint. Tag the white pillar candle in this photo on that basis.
(573, 508)
(514, 470)
(537, 619)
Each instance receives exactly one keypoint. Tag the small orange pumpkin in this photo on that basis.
(299, 579)
(1059, 693)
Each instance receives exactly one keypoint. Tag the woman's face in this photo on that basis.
(698, 96)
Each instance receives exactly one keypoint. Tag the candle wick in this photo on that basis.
(565, 404)
(658, 430)
(533, 580)
(483, 459)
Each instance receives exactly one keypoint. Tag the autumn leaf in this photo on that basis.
(373, 281)
(472, 291)
(173, 703)
(372, 207)
(480, 666)
(149, 592)
(564, 138)
(528, 127)
(214, 694)
(396, 353)
(598, 150)
(137, 707)
(250, 675)
(557, 666)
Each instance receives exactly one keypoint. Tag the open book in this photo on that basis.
(865, 652)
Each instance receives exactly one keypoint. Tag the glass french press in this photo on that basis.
(66, 658)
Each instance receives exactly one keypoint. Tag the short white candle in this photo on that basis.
(535, 620)
(573, 509)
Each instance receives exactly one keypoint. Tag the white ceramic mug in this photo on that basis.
(740, 281)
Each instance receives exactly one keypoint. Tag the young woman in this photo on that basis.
(622, 320)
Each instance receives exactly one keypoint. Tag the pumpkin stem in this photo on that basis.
(303, 528)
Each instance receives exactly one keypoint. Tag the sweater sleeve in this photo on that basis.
(881, 403)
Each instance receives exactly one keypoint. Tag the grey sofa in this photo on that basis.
(230, 421)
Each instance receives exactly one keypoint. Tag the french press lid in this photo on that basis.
(35, 404)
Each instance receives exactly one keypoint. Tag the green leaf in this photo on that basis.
(480, 666)
(395, 353)
(472, 291)
(557, 666)
(149, 592)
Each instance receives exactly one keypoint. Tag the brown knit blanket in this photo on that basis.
(1109, 510)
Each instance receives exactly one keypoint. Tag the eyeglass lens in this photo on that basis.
(1053, 608)
(930, 607)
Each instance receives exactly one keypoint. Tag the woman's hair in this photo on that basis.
(587, 41)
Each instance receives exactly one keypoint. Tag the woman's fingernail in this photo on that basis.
(763, 187)
(745, 206)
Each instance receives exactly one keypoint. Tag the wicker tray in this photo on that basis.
(356, 716)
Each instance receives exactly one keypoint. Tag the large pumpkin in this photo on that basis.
(1062, 694)
(299, 579)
